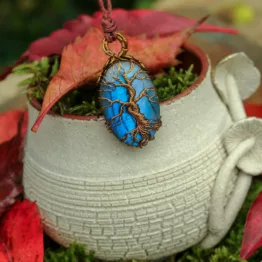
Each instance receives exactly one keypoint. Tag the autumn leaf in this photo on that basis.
(4, 254)
(252, 239)
(133, 23)
(11, 157)
(9, 124)
(253, 110)
(152, 22)
(82, 62)
(21, 234)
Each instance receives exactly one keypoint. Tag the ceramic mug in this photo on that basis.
(144, 203)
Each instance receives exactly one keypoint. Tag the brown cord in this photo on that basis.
(107, 22)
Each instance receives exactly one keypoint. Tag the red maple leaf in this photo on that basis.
(252, 239)
(15, 124)
(21, 234)
(82, 62)
(133, 23)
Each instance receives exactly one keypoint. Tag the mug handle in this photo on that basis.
(222, 217)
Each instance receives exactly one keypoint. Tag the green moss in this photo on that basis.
(227, 251)
(174, 82)
(75, 253)
(84, 101)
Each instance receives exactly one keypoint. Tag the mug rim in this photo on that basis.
(189, 47)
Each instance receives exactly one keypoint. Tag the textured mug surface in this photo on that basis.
(126, 202)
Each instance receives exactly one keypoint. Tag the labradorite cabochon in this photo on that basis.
(130, 103)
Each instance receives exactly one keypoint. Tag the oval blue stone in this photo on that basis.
(130, 103)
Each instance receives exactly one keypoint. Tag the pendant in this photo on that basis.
(128, 98)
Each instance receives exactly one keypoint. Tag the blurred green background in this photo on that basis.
(23, 21)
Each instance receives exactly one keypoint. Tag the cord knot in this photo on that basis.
(109, 28)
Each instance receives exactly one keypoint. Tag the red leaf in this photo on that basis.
(253, 110)
(133, 23)
(153, 22)
(9, 124)
(252, 239)
(4, 253)
(80, 25)
(21, 234)
(51, 45)
(9, 192)
(11, 157)
(10, 150)
(83, 61)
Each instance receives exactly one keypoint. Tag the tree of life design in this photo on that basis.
(117, 77)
